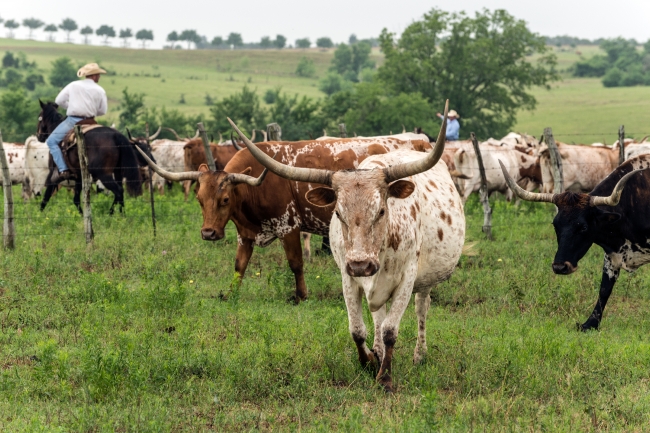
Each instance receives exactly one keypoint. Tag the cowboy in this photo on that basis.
(83, 99)
(453, 127)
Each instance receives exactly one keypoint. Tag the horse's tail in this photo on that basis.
(129, 165)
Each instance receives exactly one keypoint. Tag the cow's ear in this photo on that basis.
(608, 217)
(41, 102)
(203, 168)
(247, 170)
(401, 188)
(321, 196)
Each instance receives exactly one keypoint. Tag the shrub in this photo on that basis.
(305, 68)
(613, 78)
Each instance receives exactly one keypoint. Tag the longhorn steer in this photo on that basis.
(612, 216)
(398, 229)
(194, 156)
(278, 208)
(583, 167)
(169, 155)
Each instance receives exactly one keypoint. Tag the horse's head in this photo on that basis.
(48, 119)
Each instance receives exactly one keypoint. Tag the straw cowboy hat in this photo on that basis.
(452, 113)
(90, 69)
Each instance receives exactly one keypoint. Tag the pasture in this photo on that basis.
(580, 110)
(143, 334)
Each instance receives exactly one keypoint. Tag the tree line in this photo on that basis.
(623, 64)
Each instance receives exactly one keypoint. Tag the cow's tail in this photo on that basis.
(468, 249)
(130, 167)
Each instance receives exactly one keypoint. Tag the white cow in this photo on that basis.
(521, 166)
(15, 153)
(398, 228)
(36, 169)
(170, 155)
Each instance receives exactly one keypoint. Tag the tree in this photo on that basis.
(350, 60)
(68, 25)
(296, 115)
(480, 64)
(217, 41)
(106, 32)
(333, 83)
(131, 108)
(11, 25)
(303, 43)
(51, 29)
(32, 24)
(189, 36)
(305, 68)
(144, 36)
(63, 72)
(324, 42)
(266, 42)
(243, 108)
(235, 40)
(172, 37)
(352, 39)
(280, 41)
(18, 113)
(125, 34)
(85, 32)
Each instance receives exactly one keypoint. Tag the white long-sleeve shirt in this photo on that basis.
(83, 98)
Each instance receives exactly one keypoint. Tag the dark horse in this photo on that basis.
(110, 159)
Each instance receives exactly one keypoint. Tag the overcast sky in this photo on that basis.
(334, 18)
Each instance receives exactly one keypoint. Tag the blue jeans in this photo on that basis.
(57, 137)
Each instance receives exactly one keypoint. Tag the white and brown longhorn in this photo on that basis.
(398, 229)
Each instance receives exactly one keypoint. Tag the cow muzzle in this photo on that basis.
(565, 268)
(363, 268)
(211, 235)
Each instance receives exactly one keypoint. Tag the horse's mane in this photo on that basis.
(51, 114)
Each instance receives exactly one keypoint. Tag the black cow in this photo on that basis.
(613, 216)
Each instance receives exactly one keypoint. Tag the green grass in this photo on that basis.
(131, 334)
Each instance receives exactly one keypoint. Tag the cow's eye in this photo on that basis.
(226, 200)
(582, 228)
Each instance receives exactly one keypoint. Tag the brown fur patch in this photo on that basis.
(413, 211)
(441, 235)
(449, 219)
(443, 215)
(376, 149)
(568, 198)
(433, 184)
(417, 206)
(394, 240)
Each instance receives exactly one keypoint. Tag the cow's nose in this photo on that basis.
(564, 268)
(209, 234)
(364, 268)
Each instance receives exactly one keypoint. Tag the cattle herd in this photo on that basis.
(394, 215)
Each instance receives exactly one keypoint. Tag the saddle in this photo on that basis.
(70, 139)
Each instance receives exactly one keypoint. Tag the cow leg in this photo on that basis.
(390, 327)
(187, 184)
(244, 253)
(117, 190)
(610, 275)
(306, 248)
(422, 303)
(293, 250)
(378, 318)
(353, 301)
(49, 190)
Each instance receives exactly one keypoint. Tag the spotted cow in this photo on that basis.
(398, 229)
(613, 216)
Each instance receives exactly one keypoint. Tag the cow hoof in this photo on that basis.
(223, 296)
(589, 325)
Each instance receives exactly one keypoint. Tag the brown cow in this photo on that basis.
(277, 208)
(195, 156)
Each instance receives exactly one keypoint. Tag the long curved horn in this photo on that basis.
(403, 129)
(613, 199)
(266, 137)
(407, 169)
(220, 137)
(175, 133)
(253, 136)
(236, 178)
(195, 135)
(234, 143)
(644, 138)
(522, 193)
(129, 134)
(292, 173)
(186, 175)
(153, 137)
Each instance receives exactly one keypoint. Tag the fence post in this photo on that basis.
(621, 144)
(483, 192)
(206, 146)
(274, 132)
(86, 182)
(8, 227)
(556, 161)
(151, 195)
(342, 131)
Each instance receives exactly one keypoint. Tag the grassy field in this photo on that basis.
(131, 334)
(579, 110)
